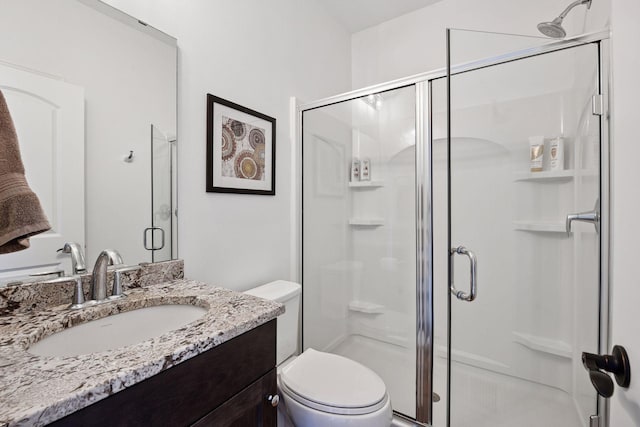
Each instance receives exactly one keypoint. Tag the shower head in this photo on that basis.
(554, 28)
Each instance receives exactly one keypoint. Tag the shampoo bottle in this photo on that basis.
(536, 152)
(556, 154)
(355, 170)
(365, 170)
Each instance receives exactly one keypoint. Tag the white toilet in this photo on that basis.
(320, 389)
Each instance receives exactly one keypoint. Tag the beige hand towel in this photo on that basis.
(21, 215)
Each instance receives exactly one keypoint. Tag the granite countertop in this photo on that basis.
(37, 390)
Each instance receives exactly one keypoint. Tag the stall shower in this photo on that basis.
(434, 255)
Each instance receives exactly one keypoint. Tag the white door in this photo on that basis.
(49, 118)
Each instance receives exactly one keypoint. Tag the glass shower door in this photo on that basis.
(524, 281)
(159, 237)
(359, 236)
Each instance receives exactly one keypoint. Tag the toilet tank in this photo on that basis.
(287, 293)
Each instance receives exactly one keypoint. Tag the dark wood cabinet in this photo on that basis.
(247, 408)
(225, 386)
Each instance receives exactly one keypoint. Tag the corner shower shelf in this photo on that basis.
(563, 175)
(541, 226)
(366, 222)
(544, 345)
(366, 184)
(366, 307)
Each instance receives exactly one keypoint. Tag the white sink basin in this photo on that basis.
(117, 330)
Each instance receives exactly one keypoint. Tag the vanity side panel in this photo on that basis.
(187, 392)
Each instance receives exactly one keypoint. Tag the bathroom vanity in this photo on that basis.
(217, 370)
(227, 385)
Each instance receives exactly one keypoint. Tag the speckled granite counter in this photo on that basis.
(38, 390)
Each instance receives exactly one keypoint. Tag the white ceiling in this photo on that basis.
(356, 15)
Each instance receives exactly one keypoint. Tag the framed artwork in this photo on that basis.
(241, 149)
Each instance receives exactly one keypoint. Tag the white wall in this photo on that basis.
(415, 42)
(257, 54)
(625, 315)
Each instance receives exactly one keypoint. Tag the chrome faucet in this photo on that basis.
(99, 276)
(77, 259)
(114, 256)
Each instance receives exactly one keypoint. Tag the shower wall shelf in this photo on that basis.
(366, 184)
(366, 307)
(545, 345)
(366, 222)
(563, 175)
(541, 226)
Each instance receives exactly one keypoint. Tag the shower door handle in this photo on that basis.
(473, 274)
(145, 240)
(590, 216)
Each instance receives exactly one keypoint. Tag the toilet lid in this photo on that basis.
(333, 383)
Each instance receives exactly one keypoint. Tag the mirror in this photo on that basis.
(92, 93)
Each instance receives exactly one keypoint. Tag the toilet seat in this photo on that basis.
(333, 384)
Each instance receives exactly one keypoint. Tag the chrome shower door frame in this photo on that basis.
(424, 253)
(423, 226)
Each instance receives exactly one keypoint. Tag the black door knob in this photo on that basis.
(617, 363)
(602, 383)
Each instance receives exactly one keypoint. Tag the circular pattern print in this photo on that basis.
(259, 156)
(228, 143)
(256, 137)
(238, 128)
(246, 166)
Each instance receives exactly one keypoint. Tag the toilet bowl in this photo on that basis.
(319, 389)
(324, 389)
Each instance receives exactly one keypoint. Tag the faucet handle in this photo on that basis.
(116, 291)
(78, 295)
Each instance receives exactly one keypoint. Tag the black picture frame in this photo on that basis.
(241, 149)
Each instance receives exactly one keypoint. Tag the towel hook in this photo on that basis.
(129, 158)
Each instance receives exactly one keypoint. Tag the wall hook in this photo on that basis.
(129, 158)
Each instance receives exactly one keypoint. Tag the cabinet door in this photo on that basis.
(250, 407)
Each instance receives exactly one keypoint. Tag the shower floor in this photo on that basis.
(483, 399)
